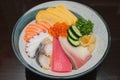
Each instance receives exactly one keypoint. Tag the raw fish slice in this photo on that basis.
(39, 26)
(47, 46)
(78, 55)
(33, 28)
(42, 57)
(44, 61)
(60, 62)
(48, 24)
(29, 35)
(45, 24)
(48, 49)
(32, 34)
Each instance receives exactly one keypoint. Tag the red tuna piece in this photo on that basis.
(60, 62)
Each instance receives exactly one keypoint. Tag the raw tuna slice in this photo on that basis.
(78, 55)
(60, 62)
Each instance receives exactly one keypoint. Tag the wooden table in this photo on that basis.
(11, 10)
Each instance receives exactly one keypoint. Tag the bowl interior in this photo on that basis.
(80, 10)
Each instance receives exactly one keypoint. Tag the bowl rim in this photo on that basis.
(63, 77)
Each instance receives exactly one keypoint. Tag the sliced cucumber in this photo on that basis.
(76, 31)
(73, 42)
(72, 35)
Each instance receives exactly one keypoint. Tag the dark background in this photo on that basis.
(11, 10)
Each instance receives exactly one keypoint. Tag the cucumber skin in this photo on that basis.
(72, 35)
(77, 34)
(75, 45)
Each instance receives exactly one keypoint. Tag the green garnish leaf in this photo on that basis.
(85, 26)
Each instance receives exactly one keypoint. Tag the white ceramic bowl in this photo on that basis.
(101, 32)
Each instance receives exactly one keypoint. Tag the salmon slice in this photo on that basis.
(31, 33)
(48, 24)
(33, 29)
(39, 26)
(27, 38)
(45, 24)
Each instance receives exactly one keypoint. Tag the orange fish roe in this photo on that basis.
(59, 29)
